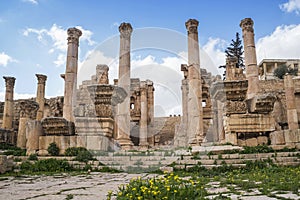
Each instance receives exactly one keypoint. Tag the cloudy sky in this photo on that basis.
(33, 39)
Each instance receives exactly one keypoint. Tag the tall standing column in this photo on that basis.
(123, 118)
(150, 109)
(8, 113)
(71, 73)
(250, 57)
(40, 95)
(291, 110)
(195, 110)
(144, 116)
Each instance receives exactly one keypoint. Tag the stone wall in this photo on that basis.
(165, 128)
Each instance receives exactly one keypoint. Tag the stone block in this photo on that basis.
(252, 142)
(81, 141)
(73, 141)
(45, 141)
(277, 138)
(231, 138)
(62, 142)
(241, 143)
(262, 140)
(291, 136)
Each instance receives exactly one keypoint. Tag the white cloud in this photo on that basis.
(16, 96)
(291, 6)
(282, 43)
(58, 36)
(35, 2)
(5, 59)
(215, 50)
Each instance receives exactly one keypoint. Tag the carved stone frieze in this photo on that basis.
(235, 107)
(57, 126)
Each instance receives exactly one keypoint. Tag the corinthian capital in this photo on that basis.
(192, 26)
(247, 25)
(9, 81)
(73, 35)
(41, 78)
(125, 30)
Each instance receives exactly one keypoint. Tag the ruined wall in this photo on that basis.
(165, 128)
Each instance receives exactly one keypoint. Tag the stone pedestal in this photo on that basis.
(27, 107)
(123, 110)
(70, 75)
(195, 112)
(291, 110)
(33, 132)
(250, 57)
(40, 95)
(8, 113)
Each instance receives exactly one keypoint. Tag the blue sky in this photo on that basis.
(33, 35)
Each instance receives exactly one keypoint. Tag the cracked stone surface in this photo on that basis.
(83, 187)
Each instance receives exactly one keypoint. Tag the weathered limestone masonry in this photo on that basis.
(250, 57)
(40, 95)
(144, 117)
(8, 113)
(123, 110)
(195, 112)
(290, 102)
(70, 76)
(27, 107)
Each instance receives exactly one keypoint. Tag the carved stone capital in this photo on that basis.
(73, 35)
(41, 78)
(28, 107)
(9, 81)
(247, 25)
(192, 26)
(125, 30)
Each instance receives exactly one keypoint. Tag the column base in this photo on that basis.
(125, 143)
(143, 146)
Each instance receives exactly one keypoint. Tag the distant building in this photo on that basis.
(267, 66)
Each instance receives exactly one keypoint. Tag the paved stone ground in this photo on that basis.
(83, 187)
(95, 186)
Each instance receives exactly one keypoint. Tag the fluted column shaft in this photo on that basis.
(8, 114)
(250, 57)
(71, 73)
(123, 116)
(40, 95)
(144, 116)
(195, 110)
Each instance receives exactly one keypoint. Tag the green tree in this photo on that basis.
(282, 70)
(235, 49)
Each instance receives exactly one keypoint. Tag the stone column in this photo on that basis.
(290, 102)
(144, 117)
(102, 74)
(40, 95)
(123, 118)
(250, 57)
(26, 108)
(71, 73)
(150, 100)
(8, 113)
(195, 110)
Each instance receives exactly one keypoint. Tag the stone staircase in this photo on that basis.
(237, 160)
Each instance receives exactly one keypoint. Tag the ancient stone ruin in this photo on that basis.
(246, 109)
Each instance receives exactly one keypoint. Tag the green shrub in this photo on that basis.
(53, 150)
(84, 156)
(74, 151)
(48, 165)
(12, 150)
(33, 157)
